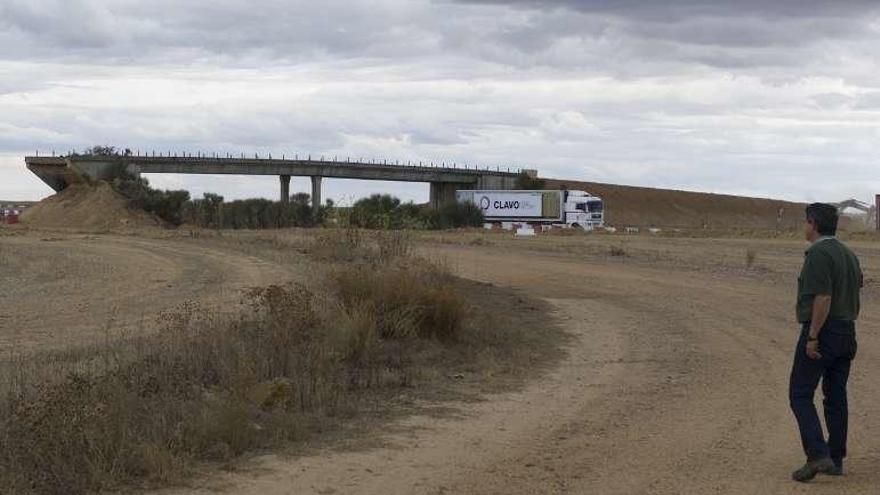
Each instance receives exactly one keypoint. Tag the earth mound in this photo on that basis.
(88, 207)
(648, 207)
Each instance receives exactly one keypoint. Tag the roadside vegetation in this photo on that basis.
(377, 325)
(382, 211)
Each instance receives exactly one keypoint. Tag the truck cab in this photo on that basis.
(583, 210)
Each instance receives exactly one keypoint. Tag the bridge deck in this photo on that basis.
(60, 172)
(266, 166)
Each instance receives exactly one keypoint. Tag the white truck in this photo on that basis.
(562, 208)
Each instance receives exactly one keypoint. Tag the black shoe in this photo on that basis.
(837, 470)
(812, 468)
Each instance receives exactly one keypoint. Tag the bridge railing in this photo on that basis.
(239, 158)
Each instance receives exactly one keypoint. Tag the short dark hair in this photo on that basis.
(824, 217)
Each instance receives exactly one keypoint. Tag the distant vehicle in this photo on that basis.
(9, 216)
(562, 208)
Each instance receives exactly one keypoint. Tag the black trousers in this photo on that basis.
(837, 344)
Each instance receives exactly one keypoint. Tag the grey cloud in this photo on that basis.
(677, 9)
(279, 30)
(72, 23)
(724, 34)
(623, 37)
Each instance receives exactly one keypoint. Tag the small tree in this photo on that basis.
(379, 211)
(101, 151)
(529, 182)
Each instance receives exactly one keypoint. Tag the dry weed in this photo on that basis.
(408, 299)
(617, 251)
(751, 257)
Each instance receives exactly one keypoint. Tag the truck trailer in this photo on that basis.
(562, 208)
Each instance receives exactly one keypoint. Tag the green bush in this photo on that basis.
(383, 211)
(455, 215)
(213, 212)
(167, 205)
(387, 212)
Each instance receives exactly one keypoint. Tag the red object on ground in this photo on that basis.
(12, 219)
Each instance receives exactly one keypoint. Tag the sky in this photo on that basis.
(762, 98)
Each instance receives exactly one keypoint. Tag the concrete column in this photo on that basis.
(444, 192)
(434, 195)
(316, 192)
(285, 189)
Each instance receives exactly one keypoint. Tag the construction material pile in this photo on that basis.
(88, 207)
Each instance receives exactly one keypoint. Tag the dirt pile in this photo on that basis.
(666, 208)
(89, 207)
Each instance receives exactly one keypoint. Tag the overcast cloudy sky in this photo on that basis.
(773, 98)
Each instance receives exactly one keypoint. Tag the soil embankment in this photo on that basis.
(87, 207)
(667, 208)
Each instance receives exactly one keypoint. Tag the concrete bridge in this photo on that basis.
(59, 172)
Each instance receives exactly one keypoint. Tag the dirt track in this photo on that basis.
(675, 381)
(62, 289)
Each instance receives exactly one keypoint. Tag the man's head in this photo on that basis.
(821, 221)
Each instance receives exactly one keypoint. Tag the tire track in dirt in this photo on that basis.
(71, 290)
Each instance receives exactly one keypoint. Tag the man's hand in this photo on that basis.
(813, 349)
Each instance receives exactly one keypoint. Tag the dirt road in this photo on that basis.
(62, 290)
(675, 383)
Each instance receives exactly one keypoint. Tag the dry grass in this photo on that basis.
(143, 412)
(350, 244)
(751, 257)
(406, 299)
(617, 251)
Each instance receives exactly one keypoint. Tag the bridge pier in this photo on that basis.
(316, 193)
(444, 192)
(285, 189)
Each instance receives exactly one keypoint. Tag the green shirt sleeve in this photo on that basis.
(817, 273)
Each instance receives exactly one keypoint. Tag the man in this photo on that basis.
(827, 308)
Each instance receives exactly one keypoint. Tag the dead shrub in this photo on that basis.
(191, 393)
(751, 257)
(339, 244)
(393, 245)
(618, 251)
(415, 299)
(352, 245)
